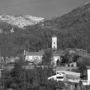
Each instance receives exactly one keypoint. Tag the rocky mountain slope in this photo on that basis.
(21, 21)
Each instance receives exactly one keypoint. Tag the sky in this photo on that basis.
(39, 8)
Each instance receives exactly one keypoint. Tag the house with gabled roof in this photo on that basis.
(34, 56)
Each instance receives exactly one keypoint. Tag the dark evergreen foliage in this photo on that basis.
(30, 79)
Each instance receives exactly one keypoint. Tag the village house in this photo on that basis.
(56, 55)
(76, 55)
(35, 57)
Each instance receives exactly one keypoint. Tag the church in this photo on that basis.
(36, 57)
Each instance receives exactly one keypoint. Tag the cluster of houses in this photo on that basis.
(36, 57)
(57, 55)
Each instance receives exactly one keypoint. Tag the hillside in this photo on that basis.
(72, 30)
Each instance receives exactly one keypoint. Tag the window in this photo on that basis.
(59, 77)
(72, 65)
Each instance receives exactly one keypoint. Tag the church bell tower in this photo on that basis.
(54, 42)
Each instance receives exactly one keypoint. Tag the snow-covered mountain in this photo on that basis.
(21, 21)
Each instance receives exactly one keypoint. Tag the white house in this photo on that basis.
(34, 56)
(87, 82)
(57, 56)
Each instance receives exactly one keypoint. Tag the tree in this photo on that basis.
(47, 57)
(64, 60)
(18, 74)
(58, 62)
(82, 67)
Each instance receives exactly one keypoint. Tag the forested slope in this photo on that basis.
(72, 30)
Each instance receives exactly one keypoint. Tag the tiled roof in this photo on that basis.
(40, 53)
(85, 55)
(58, 53)
(80, 52)
(88, 67)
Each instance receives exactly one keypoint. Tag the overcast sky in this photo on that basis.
(41, 8)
